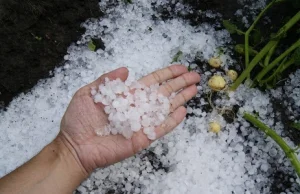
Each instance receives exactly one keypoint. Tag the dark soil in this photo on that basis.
(34, 36)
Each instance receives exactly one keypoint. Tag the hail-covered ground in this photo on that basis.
(191, 159)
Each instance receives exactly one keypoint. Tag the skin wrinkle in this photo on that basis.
(90, 154)
(184, 78)
(72, 144)
(183, 97)
(162, 127)
(172, 109)
(156, 76)
(171, 70)
(178, 100)
(116, 148)
(174, 120)
(72, 151)
(105, 147)
(169, 88)
(86, 132)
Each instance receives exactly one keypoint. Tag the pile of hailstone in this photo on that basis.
(131, 106)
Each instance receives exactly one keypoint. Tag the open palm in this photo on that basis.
(83, 117)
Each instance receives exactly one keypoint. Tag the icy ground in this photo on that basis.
(189, 160)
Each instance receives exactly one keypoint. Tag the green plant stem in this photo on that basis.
(264, 51)
(247, 34)
(280, 69)
(269, 55)
(287, 65)
(240, 32)
(289, 24)
(253, 63)
(289, 152)
(276, 61)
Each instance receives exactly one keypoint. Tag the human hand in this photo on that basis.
(83, 117)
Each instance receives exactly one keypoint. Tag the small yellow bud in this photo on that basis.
(214, 127)
(215, 62)
(217, 83)
(232, 74)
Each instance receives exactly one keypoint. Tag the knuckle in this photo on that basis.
(172, 107)
(185, 79)
(163, 128)
(156, 76)
(172, 71)
(174, 121)
(183, 97)
(169, 88)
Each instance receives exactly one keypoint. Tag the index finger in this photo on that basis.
(163, 75)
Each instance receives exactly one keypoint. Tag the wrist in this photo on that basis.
(53, 170)
(68, 156)
(64, 173)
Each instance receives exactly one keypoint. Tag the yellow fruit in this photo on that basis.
(214, 127)
(232, 74)
(217, 83)
(215, 62)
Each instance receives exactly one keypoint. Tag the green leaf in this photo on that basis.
(91, 46)
(177, 56)
(230, 27)
(296, 56)
(295, 125)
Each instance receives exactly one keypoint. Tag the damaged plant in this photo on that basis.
(271, 65)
